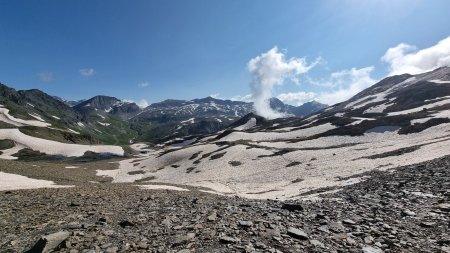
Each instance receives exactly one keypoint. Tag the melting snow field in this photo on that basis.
(7, 118)
(253, 169)
(17, 182)
(52, 147)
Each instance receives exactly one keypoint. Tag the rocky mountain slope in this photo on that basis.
(406, 210)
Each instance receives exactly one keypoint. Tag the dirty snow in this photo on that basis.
(420, 108)
(377, 108)
(10, 182)
(269, 177)
(249, 124)
(162, 187)
(56, 148)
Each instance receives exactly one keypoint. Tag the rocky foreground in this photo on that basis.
(406, 210)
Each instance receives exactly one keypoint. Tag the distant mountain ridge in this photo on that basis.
(109, 120)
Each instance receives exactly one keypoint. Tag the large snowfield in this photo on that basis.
(253, 170)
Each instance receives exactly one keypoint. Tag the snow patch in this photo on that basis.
(162, 187)
(10, 182)
(420, 108)
(72, 131)
(249, 124)
(439, 81)
(103, 124)
(57, 148)
(36, 116)
(189, 121)
(101, 116)
(7, 118)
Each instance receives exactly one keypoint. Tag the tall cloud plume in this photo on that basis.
(270, 69)
(405, 58)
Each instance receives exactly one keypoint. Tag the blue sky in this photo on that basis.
(156, 50)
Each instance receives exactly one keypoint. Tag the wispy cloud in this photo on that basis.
(270, 69)
(215, 95)
(87, 72)
(143, 84)
(345, 84)
(405, 58)
(45, 76)
(246, 98)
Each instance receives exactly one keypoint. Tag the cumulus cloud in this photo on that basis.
(270, 69)
(345, 84)
(297, 98)
(143, 103)
(406, 58)
(87, 72)
(143, 84)
(45, 76)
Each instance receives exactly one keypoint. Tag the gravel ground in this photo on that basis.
(406, 210)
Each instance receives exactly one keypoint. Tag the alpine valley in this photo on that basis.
(370, 174)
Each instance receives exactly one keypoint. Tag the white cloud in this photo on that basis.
(297, 98)
(215, 95)
(246, 98)
(405, 58)
(87, 72)
(143, 84)
(345, 84)
(270, 69)
(143, 103)
(45, 76)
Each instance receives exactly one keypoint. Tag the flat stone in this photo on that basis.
(245, 223)
(228, 240)
(212, 217)
(317, 243)
(408, 213)
(370, 249)
(50, 242)
(348, 222)
(297, 233)
(427, 224)
(444, 207)
(292, 207)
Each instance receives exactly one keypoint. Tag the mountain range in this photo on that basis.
(109, 120)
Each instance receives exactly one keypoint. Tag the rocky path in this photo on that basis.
(402, 211)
